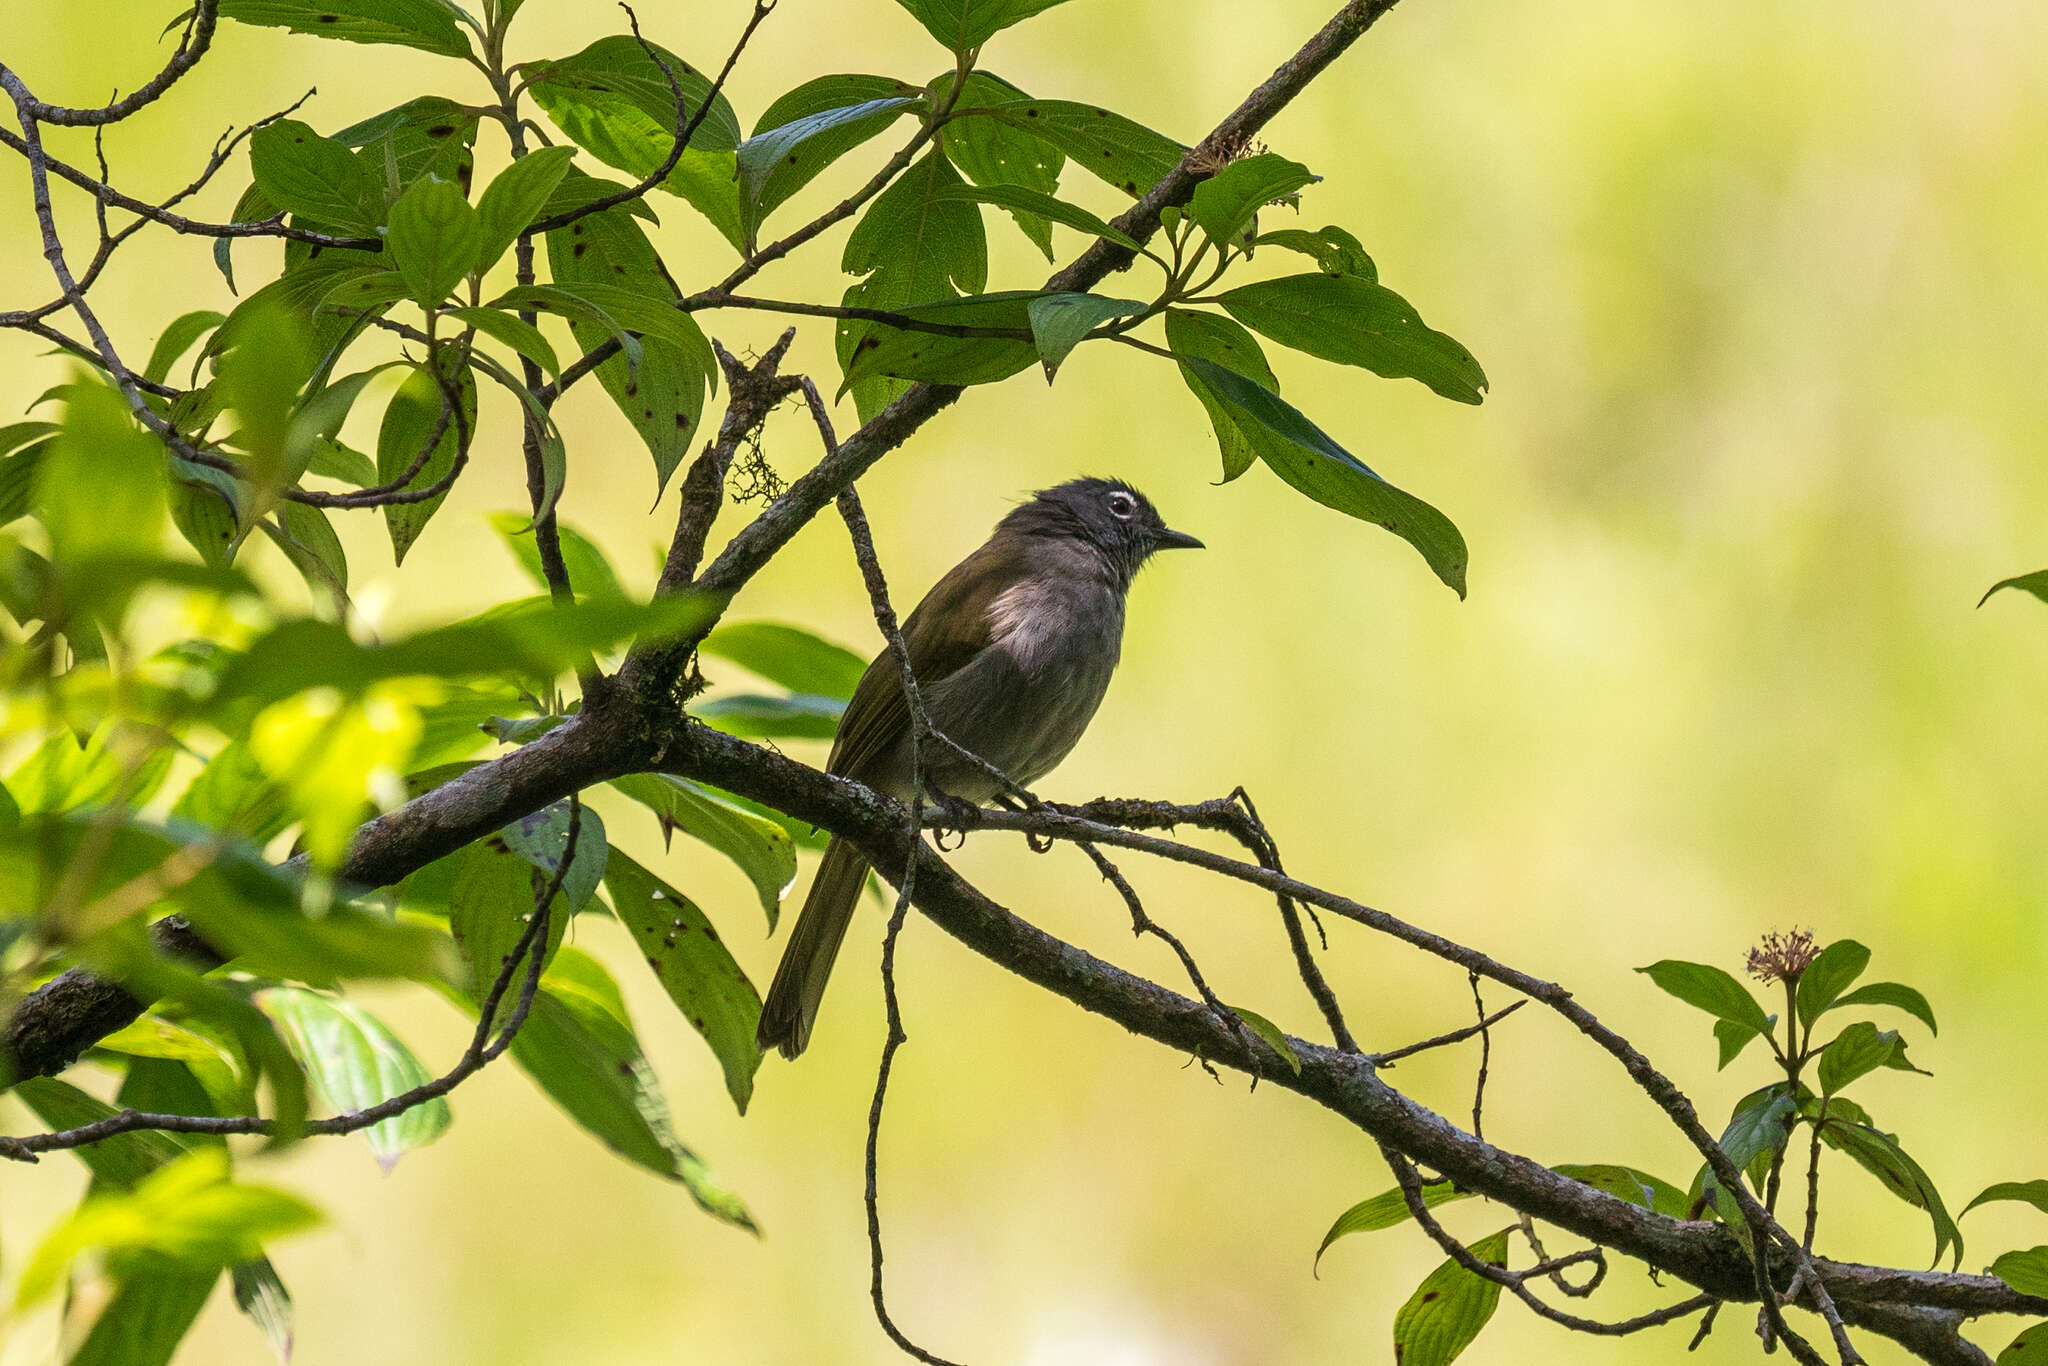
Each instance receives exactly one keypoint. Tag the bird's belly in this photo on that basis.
(1022, 712)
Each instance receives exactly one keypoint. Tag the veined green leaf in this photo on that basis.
(1385, 1210)
(436, 239)
(1213, 337)
(1060, 321)
(517, 197)
(1355, 321)
(1828, 976)
(760, 847)
(1711, 989)
(964, 25)
(1128, 155)
(423, 24)
(1449, 1308)
(310, 176)
(787, 655)
(356, 1062)
(1228, 202)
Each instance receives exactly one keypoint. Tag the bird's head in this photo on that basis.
(1107, 514)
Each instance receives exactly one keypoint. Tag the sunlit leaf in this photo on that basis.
(356, 1062)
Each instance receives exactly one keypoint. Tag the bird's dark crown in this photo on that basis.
(1107, 514)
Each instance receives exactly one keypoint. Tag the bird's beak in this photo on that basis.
(1169, 539)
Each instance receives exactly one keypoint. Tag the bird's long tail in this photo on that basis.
(792, 1005)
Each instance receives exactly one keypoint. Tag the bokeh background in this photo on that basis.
(1761, 291)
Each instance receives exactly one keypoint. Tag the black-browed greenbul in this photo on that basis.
(1012, 652)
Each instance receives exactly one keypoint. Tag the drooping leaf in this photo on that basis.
(1213, 337)
(176, 339)
(490, 904)
(1711, 989)
(1891, 994)
(1448, 1309)
(149, 1314)
(1879, 1154)
(355, 1062)
(1274, 1036)
(2033, 1193)
(2030, 1348)
(1060, 321)
(1227, 203)
(1757, 1130)
(2026, 1272)
(1629, 1183)
(542, 839)
(411, 420)
(694, 968)
(579, 1046)
(2035, 583)
(761, 848)
(1355, 321)
(431, 135)
(1828, 976)
(1732, 1038)
(1385, 1210)
(260, 1293)
(1308, 459)
(524, 339)
(1021, 202)
(424, 24)
(787, 655)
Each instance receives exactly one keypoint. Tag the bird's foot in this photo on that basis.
(959, 816)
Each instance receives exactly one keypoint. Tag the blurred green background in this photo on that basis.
(1761, 291)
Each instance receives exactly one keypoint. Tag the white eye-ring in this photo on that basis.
(1122, 505)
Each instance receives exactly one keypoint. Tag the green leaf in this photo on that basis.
(800, 136)
(2035, 583)
(1448, 1309)
(260, 1293)
(1128, 155)
(1357, 322)
(2033, 1193)
(1711, 989)
(430, 135)
(1757, 1130)
(1213, 337)
(1631, 1184)
(152, 1309)
(1856, 1051)
(2030, 1348)
(527, 637)
(663, 395)
(1385, 1210)
(1060, 321)
(787, 655)
(1335, 250)
(542, 837)
(1892, 994)
(1308, 459)
(578, 1045)
(1228, 202)
(119, 1162)
(1828, 976)
(187, 1210)
(1733, 1038)
(1879, 1154)
(913, 248)
(177, 338)
(1274, 1035)
(100, 487)
(436, 239)
(589, 571)
(332, 460)
(310, 176)
(761, 847)
(964, 25)
(517, 197)
(490, 905)
(307, 538)
(620, 306)
(1021, 168)
(233, 793)
(614, 102)
(1019, 200)
(905, 353)
(356, 1062)
(424, 24)
(410, 421)
(694, 968)
(798, 716)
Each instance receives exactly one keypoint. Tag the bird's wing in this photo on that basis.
(948, 629)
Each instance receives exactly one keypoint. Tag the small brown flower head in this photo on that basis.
(1782, 957)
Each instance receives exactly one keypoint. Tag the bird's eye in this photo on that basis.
(1122, 505)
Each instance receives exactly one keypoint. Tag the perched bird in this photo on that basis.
(1012, 652)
